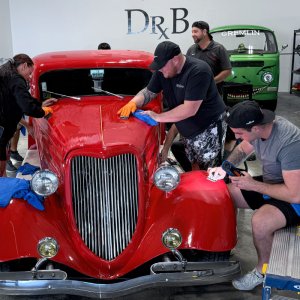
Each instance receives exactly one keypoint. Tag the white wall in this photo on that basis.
(6, 50)
(51, 25)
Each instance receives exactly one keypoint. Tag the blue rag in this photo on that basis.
(27, 169)
(145, 118)
(20, 189)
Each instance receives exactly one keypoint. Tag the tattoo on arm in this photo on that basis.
(237, 156)
(148, 95)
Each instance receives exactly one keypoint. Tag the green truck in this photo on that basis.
(254, 57)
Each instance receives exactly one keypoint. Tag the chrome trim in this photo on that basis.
(200, 273)
(105, 202)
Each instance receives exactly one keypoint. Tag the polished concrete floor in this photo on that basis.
(288, 107)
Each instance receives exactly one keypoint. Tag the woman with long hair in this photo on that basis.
(15, 100)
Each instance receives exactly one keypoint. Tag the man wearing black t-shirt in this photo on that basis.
(192, 96)
(215, 54)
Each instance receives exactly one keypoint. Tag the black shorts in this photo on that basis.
(256, 200)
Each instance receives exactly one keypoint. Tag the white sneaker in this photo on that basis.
(249, 281)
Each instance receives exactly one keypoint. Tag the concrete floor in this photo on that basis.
(288, 107)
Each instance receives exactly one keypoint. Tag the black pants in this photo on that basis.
(178, 151)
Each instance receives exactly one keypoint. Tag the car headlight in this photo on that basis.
(47, 247)
(44, 182)
(267, 77)
(171, 238)
(166, 178)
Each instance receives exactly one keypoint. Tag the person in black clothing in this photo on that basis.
(104, 46)
(15, 100)
(192, 96)
(215, 54)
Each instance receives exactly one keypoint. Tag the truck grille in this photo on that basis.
(105, 202)
(249, 63)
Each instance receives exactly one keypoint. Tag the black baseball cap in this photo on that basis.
(163, 53)
(202, 25)
(247, 114)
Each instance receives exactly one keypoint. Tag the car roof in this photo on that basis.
(93, 59)
(239, 27)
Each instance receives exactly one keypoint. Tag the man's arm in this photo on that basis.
(222, 76)
(288, 191)
(240, 153)
(181, 112)
(172, 133)
(236, 157)
(141, 98)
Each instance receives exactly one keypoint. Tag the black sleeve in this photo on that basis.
(29, 105)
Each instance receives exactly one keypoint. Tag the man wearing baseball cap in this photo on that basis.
(195, 106)
(275, 196)
(215, 54)
(212, 52)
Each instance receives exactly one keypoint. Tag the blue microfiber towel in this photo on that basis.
(145, 118)
(20, 189)
(27, 169)
(35, 200)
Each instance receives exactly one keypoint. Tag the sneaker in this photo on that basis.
(16, 156)
(10, 167)
(249, 281)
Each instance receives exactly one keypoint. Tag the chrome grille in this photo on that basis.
(105, 202)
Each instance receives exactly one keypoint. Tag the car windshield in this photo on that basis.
(246, 41)
(91, 82)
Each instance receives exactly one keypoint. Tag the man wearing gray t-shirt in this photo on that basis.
(276, 194)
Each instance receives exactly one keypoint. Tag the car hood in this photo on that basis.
(91, 124)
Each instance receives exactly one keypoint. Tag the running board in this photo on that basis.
(283, 271)
(285, 254)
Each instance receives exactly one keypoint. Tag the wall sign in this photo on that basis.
(143, 22)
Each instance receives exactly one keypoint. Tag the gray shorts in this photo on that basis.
(204, 149)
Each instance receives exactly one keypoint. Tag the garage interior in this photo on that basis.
(35, 27)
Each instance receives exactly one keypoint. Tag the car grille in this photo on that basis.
(105, 202)
(243, 64)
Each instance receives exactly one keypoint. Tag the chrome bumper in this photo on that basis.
(198, 273)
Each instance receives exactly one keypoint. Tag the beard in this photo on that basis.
(197, 40)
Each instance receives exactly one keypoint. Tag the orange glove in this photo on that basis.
(125, 111)
(47, 110)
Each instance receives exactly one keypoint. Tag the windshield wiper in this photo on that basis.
(106, 92)
(62, 95)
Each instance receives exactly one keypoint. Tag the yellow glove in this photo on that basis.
(125, 111)
(47, 110)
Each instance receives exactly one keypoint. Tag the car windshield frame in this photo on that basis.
(247, 41)
(93, 82)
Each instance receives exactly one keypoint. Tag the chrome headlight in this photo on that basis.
(267, 77)
(44, 183)
(47, 247)
(166, 178)
(171, 238)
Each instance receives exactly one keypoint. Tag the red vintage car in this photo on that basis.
(115, 221)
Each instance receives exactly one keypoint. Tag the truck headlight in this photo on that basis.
(267, 77)
(171, 238)
(44, 183)
(166, 178)
(47, 247)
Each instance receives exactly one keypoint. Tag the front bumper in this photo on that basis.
(165, 274)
